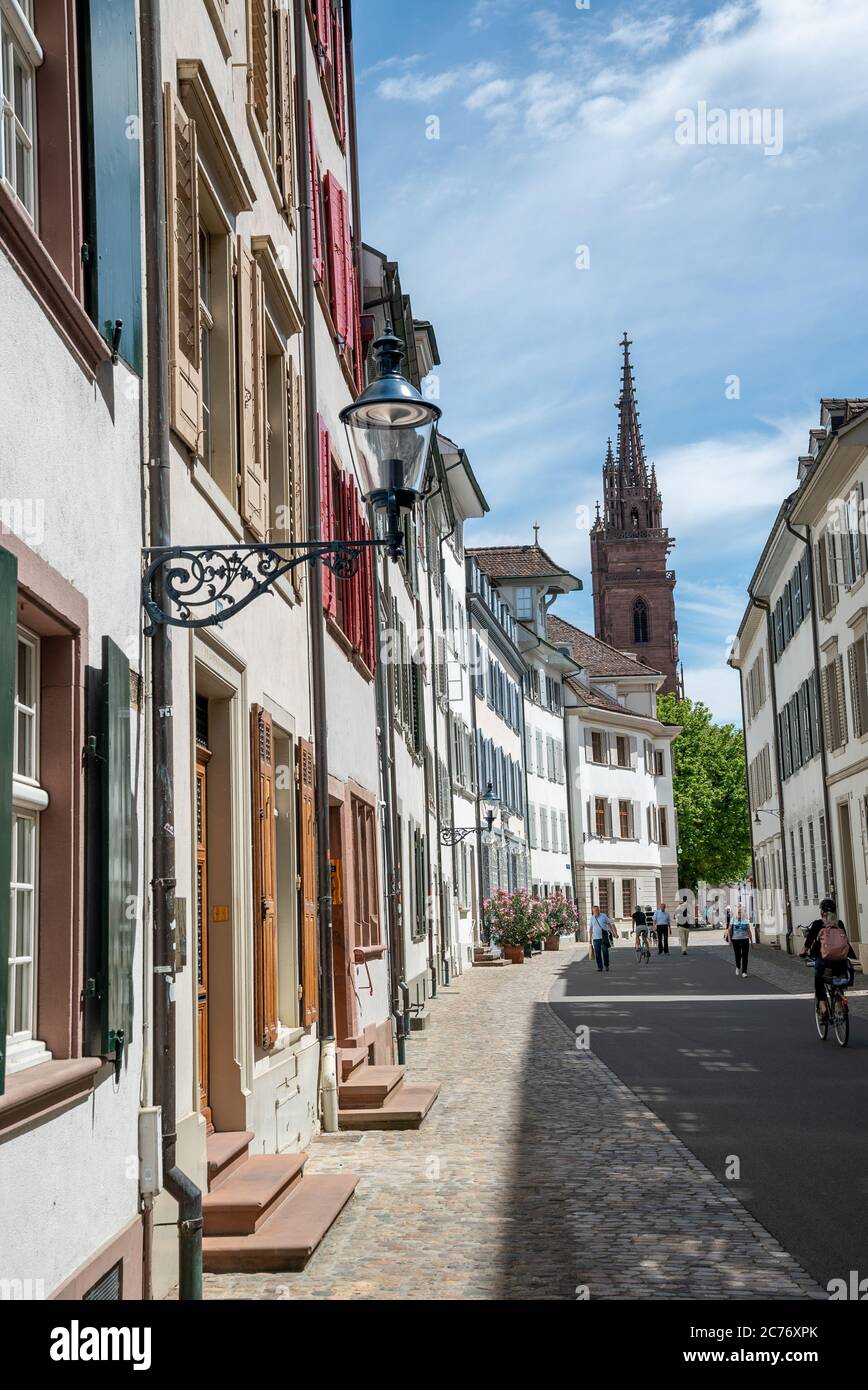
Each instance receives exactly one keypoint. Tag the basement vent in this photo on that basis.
(108, 1288)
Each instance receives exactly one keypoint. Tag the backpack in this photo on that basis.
(834, 944)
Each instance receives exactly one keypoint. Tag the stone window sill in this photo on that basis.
(35, 1094)
(46, 283)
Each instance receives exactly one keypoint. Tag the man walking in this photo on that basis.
(602, 933)
(661, 922)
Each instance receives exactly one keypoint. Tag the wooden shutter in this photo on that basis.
(323, 15)
(286, 112)
(841, 701)
(855, 690)
(316, 228)
(329, 593)
(337, 235)
(253, 473)
(265, 1010)
(118, 922)
(182, 213)
(8, 645)
(295, 500)
(340, 82)
(259, 68)
(307, 876)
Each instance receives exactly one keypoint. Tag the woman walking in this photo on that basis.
(739, 937)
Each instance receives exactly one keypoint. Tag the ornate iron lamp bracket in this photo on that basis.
(202, 585)
(451, 836)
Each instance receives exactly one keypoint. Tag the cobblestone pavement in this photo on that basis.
(536, 1175)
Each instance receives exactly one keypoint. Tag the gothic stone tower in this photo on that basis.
(634, 591)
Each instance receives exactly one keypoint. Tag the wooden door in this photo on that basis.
(264, 880)
(847, 901)
(202, 916)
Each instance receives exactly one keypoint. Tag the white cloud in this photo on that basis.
(724, 484)
(417, 87)
(725, 20)
(643, 34)
(489, 94)
(390, 64)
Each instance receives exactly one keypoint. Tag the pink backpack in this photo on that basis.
(834, 944)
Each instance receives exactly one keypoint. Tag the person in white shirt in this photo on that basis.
(603, 931)
(661, 922)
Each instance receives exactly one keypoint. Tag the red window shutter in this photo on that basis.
(329, 597)
(337, 261)
(340, 85)
(356, 607)
(314, 197)
(323, 29)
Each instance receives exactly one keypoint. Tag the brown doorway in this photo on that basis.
(203, 756)
(344, 972)
(848, 876)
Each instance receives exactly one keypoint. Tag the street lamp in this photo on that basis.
(490, 802)
(391, 425)
(757, 814)
(389, 431)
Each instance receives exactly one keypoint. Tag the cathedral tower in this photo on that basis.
(634, 591)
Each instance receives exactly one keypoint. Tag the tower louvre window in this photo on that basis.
(640, 621)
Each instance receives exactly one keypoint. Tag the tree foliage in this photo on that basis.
(710, 795)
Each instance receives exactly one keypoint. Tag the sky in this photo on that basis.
(552, 175)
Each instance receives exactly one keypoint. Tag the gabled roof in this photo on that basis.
(596, 698)
(517, 562)
(594, 656)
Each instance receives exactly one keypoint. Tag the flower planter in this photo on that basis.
(553, 943)
(515, 954)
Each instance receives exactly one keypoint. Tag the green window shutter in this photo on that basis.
(8, 610)
(118, 914)
(112, 149)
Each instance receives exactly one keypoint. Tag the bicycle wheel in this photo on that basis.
(841, 1021)
(638, 954)
(822, 1020)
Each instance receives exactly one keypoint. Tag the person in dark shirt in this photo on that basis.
(812, 948)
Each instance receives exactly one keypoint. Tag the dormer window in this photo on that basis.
(524, 604)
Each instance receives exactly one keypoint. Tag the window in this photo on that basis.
(628, 896)
(28, 801)
(623, 745)
(524, 604)
(206, 320)
(270, 96)
(365, 858)
(599, 748)
(813, 848)
(625, 818)
(21, 55)
(640, 621)
(663, 826)
(601, 807)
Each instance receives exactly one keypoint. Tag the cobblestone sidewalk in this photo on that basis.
(536, 1175)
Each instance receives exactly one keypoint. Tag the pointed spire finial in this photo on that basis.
(536, 531)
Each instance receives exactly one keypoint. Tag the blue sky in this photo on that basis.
(557, 130)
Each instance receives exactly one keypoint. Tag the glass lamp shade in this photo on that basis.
(391, 425)
(489, 801)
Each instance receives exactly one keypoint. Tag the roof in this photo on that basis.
(517, 562)
(596, 698)
(594, 656)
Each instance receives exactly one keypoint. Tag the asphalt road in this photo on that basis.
(742, 1076)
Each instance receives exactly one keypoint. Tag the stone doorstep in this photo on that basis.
(490, 960)
(226, 1153)
(247, 1199)
(404, 1108)
(288, 1238)
(368, 1086)
(420, 1020)
(350, 1058)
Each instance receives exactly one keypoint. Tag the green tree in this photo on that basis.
(710, 795)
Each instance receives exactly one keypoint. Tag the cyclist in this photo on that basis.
(642, 930)
(813, 949)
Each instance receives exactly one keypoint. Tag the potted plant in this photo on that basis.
(561, 916)
(514, 921)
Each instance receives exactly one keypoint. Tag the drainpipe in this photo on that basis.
(480, 925)
(316, 616)
(747, 785)
(807, 542)
(177, 1183)
(392, 839)
(765, 607)
(441, 541)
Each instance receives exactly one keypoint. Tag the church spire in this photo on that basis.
(631, 448)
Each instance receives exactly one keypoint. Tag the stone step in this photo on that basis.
(350, 1058)
(491, 960)
(246, 1200)
(368, 1086)
(289, 1237)
(404, 1108)
(226, 1153)
(420, 1019)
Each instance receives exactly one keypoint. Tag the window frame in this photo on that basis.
(18, 36)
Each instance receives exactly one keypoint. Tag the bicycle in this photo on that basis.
(643, 948)
(837, 1010)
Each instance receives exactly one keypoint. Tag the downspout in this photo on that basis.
(824, 755)
(480, 925)
(177, 1183)
(397, 966)
(570, 815)
(441, 541)
(316, 615)
(747, 785)
(426, 782)
(765, 607)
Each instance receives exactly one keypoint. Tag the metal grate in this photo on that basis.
(108, 1288)
(202, 721)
